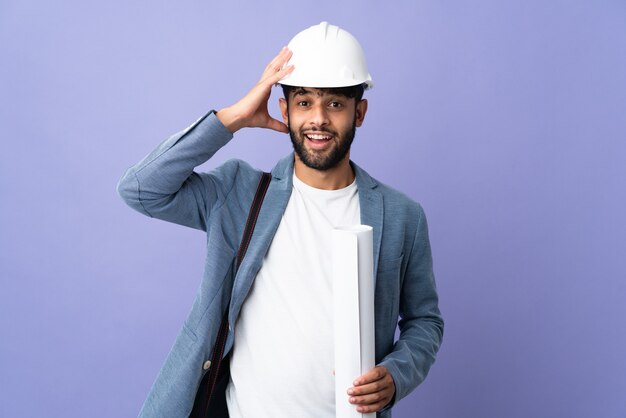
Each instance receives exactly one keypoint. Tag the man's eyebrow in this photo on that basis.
(301, 91)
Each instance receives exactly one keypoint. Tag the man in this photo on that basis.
(279, 344)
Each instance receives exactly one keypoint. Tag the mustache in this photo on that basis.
(319, 129)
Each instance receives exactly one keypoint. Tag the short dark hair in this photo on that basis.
(355, 92)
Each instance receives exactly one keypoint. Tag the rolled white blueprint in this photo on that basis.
(353, 290)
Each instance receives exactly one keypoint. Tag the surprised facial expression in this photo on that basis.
(321, 126)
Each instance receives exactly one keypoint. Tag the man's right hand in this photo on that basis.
(251, 110)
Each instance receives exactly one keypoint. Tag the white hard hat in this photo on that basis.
(326, 56)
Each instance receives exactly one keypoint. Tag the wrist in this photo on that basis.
(230, 119)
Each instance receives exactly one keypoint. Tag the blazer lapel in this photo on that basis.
(371, 203)
(274, 204)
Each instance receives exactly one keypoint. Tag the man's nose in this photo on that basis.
(319, 115)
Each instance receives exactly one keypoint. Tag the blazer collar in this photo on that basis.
(276, 199)
(371, 203)
(370, 199)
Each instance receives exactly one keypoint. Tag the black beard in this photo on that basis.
(323, 162)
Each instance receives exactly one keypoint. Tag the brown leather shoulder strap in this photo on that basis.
(207, 386)
(253, 215)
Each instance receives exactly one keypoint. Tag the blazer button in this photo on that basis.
(206, 365)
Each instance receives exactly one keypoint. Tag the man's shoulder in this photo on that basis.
(236, 169)
(398, 205)
(241, 168)
(392, 197)
(235, 164)
(396, 196)
(234, 176)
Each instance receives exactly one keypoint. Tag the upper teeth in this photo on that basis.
(317, 136)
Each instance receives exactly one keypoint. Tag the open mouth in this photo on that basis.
(318, 138)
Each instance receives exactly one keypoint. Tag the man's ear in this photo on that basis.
(361, 110)
(282, 102)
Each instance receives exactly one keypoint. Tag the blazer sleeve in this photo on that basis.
(164, 185)
(421, 323)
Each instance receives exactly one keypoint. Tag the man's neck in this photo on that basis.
(336, 178)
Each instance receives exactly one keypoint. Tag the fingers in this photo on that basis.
(373, 390)
(378, 386)
(373, 401)
(372, 397)
(279, 60)
(276, 61)
(282, 74)
(376, 373)
(251, 110)
(276, 69)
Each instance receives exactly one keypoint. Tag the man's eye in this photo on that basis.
(303, 103)
(335, 104)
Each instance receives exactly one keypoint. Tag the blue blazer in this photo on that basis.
(164, 185)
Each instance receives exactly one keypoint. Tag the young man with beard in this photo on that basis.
(279, 348)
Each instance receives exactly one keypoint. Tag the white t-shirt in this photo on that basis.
(282, 360)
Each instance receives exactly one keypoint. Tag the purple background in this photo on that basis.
(506, 120)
